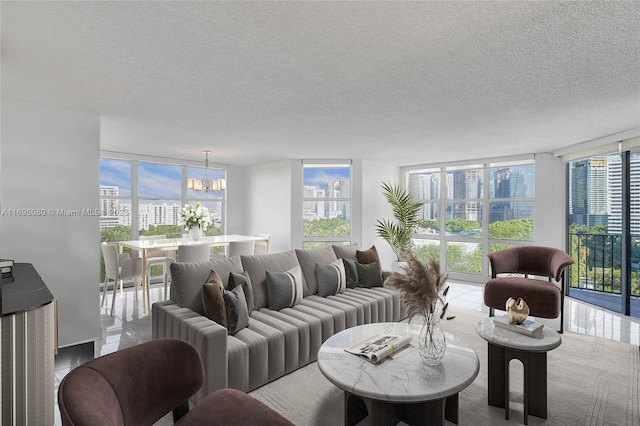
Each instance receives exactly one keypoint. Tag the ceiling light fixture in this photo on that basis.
(207, 184)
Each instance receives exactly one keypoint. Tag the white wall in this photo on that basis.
(235, 217)
(268, 200)
(550, 216)
(375, 206)
(50, 160)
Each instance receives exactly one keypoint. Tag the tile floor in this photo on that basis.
(129, 326)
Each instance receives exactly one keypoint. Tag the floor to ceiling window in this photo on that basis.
(473, 210)
(326, 204)
(604, 230)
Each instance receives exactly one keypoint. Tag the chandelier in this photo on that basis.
(206, 184)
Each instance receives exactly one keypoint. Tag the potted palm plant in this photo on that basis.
(398, 233)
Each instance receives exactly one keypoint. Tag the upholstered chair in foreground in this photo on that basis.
(140, 385)
(515, 272)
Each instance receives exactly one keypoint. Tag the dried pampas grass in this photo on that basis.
(422, 287)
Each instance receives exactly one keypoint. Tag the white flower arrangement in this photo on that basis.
(195, 216)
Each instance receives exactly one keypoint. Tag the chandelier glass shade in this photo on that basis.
(206, 184)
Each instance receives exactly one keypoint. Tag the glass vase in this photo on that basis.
(432, 342)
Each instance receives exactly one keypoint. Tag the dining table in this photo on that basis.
(144, 247)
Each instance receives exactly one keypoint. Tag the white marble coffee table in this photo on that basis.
(505, 345)
(402, 388)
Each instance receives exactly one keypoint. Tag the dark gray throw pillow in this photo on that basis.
(242, 279)
(351, 272)
(369, 275)
(237, 314)
(284, 289)
(330, 278)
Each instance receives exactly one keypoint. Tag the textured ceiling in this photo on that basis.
(395, 82)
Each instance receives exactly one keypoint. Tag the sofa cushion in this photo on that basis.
(257, 267)
(187, 279)
(351, 272)
(284, 288)
(331, 278)
(236, 306)
(242, 279)
(213, 299)
(347, 251)
(308, 259)
(369, 274)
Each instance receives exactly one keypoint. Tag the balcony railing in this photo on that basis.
(598, 261)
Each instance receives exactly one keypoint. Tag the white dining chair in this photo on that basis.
(194, 252)
(237, 248)
(119, 267)
(164, 259)
(262, 247)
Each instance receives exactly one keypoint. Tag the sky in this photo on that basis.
(154, 180)
(319, 176)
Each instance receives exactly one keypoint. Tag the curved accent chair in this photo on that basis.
(141, 384)
(516, 272)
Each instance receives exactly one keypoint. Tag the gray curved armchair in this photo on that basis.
(141, 384)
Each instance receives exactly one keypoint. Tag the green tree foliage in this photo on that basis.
(516, 229)
(117, 233)
(459, 260)
(326, 227)
(423, 253)
(456, 226)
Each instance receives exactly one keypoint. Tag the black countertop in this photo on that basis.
(25, 292)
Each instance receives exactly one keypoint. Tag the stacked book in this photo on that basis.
(6, 266)
(529, 327)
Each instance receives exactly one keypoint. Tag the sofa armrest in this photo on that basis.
(209, 338)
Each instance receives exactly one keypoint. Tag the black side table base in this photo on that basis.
(382, 413)
(535, 380)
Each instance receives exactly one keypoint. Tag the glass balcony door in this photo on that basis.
(604, 231)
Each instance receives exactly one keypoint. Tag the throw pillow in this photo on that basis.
(351, 272)
(369, 274)
(242, 279)
(284, 289)
(331, 278)
(368, 256)
(237, 314)
(213, 299)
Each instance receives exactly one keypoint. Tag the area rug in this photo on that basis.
(591, 381)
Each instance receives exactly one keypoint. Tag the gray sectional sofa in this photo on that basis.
(275, 342)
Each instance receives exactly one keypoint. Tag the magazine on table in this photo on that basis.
(379, 347)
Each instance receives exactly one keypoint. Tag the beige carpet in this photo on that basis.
(591, 381)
